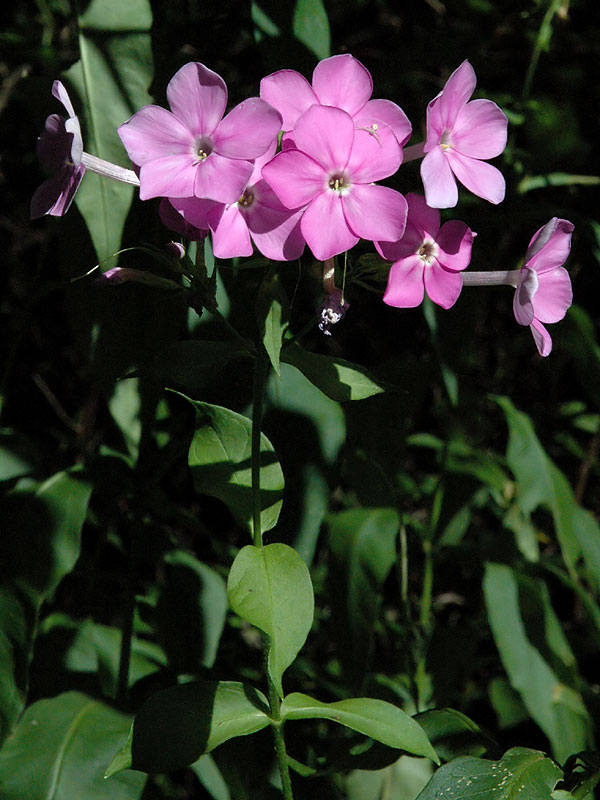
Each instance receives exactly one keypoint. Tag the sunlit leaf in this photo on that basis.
(311, 26)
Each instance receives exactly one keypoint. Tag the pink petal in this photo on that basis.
(195, 212)
(481, 178)
(378, 111)
(408, 245)
(374, 155)
(198, 97)
(324, 227)
(405, 288)
(55, 195)
(276, 233)
(290, 93)
(480, 130)
(523, 298)
(231, 237)
(541, 337)
(443, 287)
(170, 176)
(260, 162)
(438, 180)
(174, 219)
(554, 295)
(455, 241)
(549, 247)
(327, 135)
(153, 132)
(295, 178)
(425, 219)
(221, 179)
(375, 212)
(458, 89)
(248, 130)
(342, 81)
(59, 91)
(54, 144)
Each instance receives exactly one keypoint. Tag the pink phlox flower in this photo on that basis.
(193, 150)
(175, 221)
(59, 148)
(428, 258)
(340, 81)
(459, 135)
(544, 291)
(332, 171)
(257, 217)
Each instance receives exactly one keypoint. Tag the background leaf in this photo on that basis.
(311, 26)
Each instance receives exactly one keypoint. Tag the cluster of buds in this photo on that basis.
(301, 165)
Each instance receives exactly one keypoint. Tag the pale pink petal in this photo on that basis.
(324, 227)
(198, 97)
(231, 237)
(375, 212)
(523, 298)
(455, 241)
(327, 135)
(541, 337)
(481, 178)
(408, 245)
(248, 130)
(480, 130)
(290, 93)
(276, 233)
(170, 176)
(438, 180)
(295, 178)
(384, 111)
(201, 214)
(549, 247)
(222, 179)
(375, 155)
(153, 132)
(424, 218)
(342, 81)
(59, 91)
(554, 295)
(443, 287)
(405, 288)
(457, 90)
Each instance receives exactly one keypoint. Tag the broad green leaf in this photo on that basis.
(111, 80)
(18, 456)
(220, 460)
(125, 407)
(507, 703)
(209, 775)
(520, 772)
(192, 365)
(557, 708)
(174, 727)
(60, 749)
(191, 612)
(452, 733)
(402, 780)
(272, 309)
(270, 587)
(375, 718)
(311, 27)
(338, 379)
(362, 545)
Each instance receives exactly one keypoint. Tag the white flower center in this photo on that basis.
(340, 183)
(445, 142)
(202, 148)
(428, 251)
(246, 199)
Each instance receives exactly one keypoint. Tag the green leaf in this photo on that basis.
(311, 27)
(18, 455)
(60, 748)
(519, 773)
(209, 775)
(270, 587)
(338, 379)
(220, 460)
(362, 545)
(557, 708)
(174, 727)
(111, 79)
(272, 308)
(375, 718)
(452, 733)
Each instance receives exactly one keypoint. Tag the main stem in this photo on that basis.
(277, 727)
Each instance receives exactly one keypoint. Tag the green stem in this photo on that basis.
(280, 750)
(261, 368)
(403, 576)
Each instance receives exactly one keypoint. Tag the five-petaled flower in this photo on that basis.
(543, 292)
(459, 135)
(192, 150)
(59, 148)
(331, 171)
(428, 258)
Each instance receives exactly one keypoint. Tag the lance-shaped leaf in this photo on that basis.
(311, 26)
(519, 773)
(174, 727)
(375, 718)
(270, 588)
(60, 749)
(272, 308)
(220, 460)
(452, 733)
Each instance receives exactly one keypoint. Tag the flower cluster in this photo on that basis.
(302, 165)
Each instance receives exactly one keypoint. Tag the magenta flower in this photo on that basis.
(459, 135)
(428, 258)
(193, 150)
(544, 293)
(331, 171)
(59, 148)
(339, 81)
